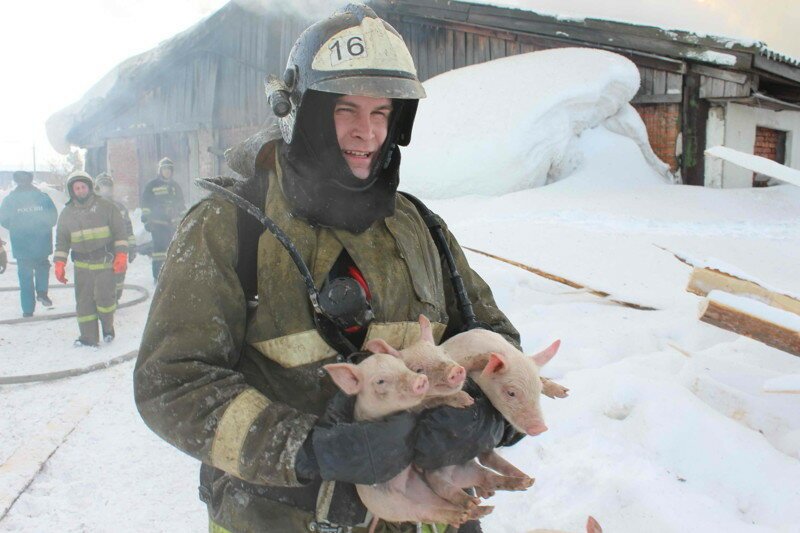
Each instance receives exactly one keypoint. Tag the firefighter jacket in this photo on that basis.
(243, 394)
(126, 218)
(162, 203)
(29, 215)
(93, 231)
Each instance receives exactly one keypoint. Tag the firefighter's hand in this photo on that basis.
(120, 262)
(61, 271)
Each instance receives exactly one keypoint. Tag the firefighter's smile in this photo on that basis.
(357, 155)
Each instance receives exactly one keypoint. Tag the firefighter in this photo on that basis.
(92, 231)
(162, 208)
(229, 366)
(29, 215)
(104, 187)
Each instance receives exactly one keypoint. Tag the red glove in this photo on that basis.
(120, 262)
(61, 274)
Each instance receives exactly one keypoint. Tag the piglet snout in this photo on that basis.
(456, 376)
(419, 385)
(536, 428)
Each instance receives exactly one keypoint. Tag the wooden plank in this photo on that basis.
(497, 48)
(657, 99)
(470, 49)
(727, 75)
(459, 49)
(441, 50)
(647, 81)
(481, 49)
(674, 83)
(433, 57)
(758, 328)
(512, 48)
(422, 51)
(659, 82)
(449, 45)
(705, 280)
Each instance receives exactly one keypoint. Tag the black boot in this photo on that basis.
(43, 299)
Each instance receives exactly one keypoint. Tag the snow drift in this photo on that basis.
(512, 122)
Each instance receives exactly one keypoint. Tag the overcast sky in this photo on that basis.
(52, 51)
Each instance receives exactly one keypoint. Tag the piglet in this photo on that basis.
(445, 376)
(511, 382)
(384, 385)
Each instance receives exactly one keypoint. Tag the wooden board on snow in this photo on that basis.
(705, 280)
(756, 163)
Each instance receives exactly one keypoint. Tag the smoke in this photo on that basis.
(311, 10)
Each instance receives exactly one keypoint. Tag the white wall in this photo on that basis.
(735, 127)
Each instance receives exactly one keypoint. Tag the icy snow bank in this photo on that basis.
(507, 125)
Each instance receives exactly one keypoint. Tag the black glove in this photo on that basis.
(131, 253)
(450, 436)
(364, 453)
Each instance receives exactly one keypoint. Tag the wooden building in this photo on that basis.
(202, 91)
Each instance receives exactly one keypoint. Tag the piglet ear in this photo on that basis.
(425, 329)
(543, 357)
(592, 526)
(380, 346)
(346, 376)
(496, 364)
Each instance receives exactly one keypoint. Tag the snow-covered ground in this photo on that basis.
(672, 425)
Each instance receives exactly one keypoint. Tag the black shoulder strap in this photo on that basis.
(248, 230)
(434, 223)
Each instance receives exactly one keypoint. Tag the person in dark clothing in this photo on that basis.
(162, 209)
(29, 215)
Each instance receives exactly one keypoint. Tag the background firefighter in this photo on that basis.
(162, 208)
(233, 380)
(92, 229)
(29, 215)
(104, 187)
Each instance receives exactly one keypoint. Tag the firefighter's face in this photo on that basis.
(166, 172)
(362, 124)
(80, 190)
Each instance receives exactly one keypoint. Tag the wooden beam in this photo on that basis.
(657, 99)
(694, 117)
(783, 70)
(705, 280)
(739, 319)
(727, 75)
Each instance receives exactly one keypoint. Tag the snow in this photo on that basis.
(757, 309)
(717, 58)
(671, 425)
(790, 383)
(757, 163)
(527, 111)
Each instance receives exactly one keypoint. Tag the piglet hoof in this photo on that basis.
(462, 399)
(480, 512)
(513, 483)
(551, 389)
(483, 493)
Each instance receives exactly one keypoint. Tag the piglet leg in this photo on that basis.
(460, 400)
(440, 481)
(494, 461)
(551, 389)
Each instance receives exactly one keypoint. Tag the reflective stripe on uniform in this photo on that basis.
(146, 211)
(132, 239)
(60, 255)
(86, 318)
(296, 349)
(158, 191)
(90, 234)
(123, 244)
(106, 310)
(401, 334)
(160, 255)
(92, 266)
(213, 527)
(233, 428)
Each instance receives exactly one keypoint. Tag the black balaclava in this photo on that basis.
(317, 181)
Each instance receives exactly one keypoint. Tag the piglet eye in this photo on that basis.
(511, 393)
(381, 381)
(418, 371)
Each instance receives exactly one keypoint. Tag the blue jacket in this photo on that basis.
(29, 216)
